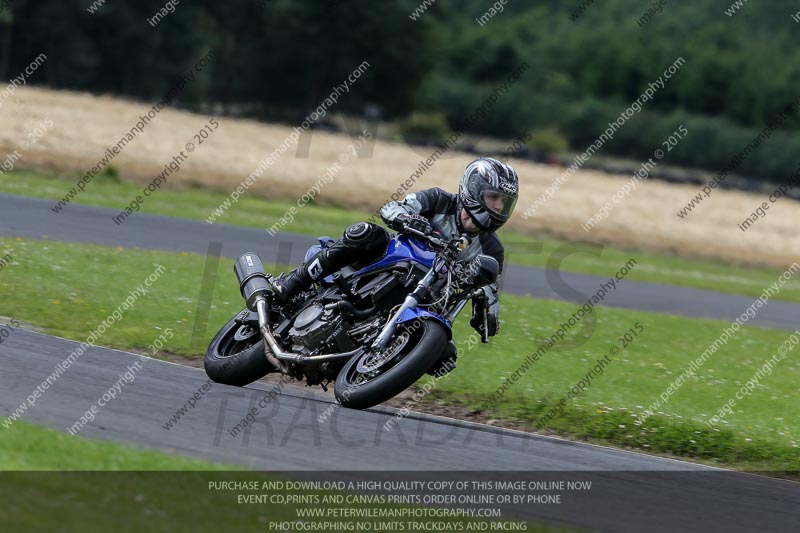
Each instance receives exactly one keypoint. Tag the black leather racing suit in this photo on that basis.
(442, 208)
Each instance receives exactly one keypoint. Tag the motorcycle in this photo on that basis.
(372, 331)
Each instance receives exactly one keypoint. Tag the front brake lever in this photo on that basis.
(485, 333)
(480, 297)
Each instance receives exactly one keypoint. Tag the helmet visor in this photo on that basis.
(499, 203)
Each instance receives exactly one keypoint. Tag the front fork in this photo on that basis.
(411, 301)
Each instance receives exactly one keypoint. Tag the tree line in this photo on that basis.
(277, 59)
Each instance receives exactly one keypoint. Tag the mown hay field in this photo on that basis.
(85, 125)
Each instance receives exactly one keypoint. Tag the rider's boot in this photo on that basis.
(360, 244)
(317, 267)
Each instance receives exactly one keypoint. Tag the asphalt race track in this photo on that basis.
(32, 219)
(653, 494)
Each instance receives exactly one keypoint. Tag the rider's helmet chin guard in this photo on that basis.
(488, 191)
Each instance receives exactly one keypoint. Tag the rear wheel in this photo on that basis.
(372, 378)
(236, 355)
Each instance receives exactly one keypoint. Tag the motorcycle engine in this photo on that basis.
(314, 326)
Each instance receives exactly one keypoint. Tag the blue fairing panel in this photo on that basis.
(409, 315)
(402, 248)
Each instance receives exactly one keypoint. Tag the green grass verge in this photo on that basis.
(25, 446)
(763, 433)
(315, 219)
(86, 283)
(53, 482)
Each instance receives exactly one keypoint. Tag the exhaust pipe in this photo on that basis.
(253, 282)
(266, 332)
(255, 288)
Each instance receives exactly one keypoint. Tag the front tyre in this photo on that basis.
(369, 379)
(236, 355)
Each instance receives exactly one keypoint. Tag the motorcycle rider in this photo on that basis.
(486, 198)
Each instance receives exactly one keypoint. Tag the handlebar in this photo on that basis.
(440, 245)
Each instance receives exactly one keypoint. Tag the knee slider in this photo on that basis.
(365, 235)
(357, 233)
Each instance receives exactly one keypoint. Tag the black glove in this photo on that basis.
(417, 222)
(492, 322)
(464, 273)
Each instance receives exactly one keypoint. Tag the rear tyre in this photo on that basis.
(236, 355)
(369, 379)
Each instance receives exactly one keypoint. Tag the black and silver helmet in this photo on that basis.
(489, 191)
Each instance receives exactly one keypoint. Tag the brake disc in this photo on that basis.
(370, 362)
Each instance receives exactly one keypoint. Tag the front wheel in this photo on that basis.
(369, 379)
(236, 355)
